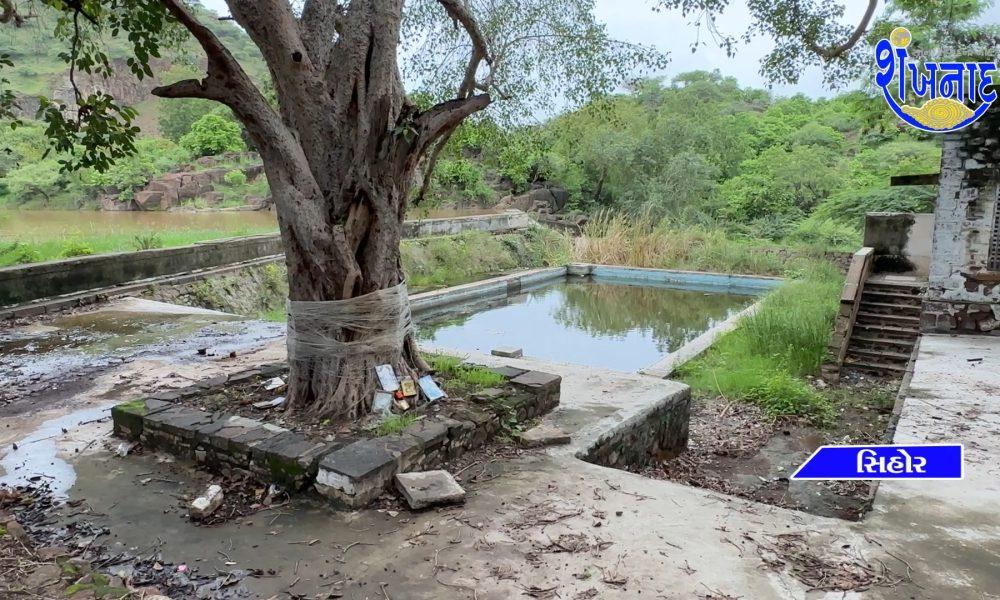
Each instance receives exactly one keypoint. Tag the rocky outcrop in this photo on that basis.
(170, 190)
(546, 202)
(541, 199)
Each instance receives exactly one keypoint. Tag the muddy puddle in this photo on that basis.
(52, 356)
(43, 455)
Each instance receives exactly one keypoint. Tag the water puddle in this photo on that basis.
(33, 359)
(597, 323)
(36, 457)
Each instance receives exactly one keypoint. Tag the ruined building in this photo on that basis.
(963, 293)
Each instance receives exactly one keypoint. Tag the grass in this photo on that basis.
(277, 315)
(766, 358)
(617, 239)
(437, 262)
(395, 424)
(469, 376)
(53, 247)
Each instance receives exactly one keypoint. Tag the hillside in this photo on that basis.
(38, 70)
(700, 150)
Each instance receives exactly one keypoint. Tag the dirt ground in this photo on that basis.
(736, 449)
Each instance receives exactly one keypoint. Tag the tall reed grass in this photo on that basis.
(643, 241)
(766, 357)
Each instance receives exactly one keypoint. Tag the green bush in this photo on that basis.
(153, 157)
(852, 205)
(212, 134)
(75, 248)
(18, 253)
(235, 177)
(826, 233)
(465, 175)
(147, 241)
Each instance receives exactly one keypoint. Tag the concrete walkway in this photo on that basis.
(949, 531)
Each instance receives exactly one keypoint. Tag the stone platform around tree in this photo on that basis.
(350, 471)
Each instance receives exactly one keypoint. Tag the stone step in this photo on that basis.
(889, 330)
(867, 365)
(903, 320)
(892, 296)
(883, 308)
(856, 352)
(893, 344)
(891, 288)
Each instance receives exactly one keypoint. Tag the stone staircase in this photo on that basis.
(886, 328)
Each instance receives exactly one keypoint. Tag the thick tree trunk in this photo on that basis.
(339, 154)
(366, 260)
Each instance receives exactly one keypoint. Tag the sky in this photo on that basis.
(635, 21)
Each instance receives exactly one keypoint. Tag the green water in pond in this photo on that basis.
(598, 323)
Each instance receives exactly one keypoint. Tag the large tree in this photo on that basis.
(341, 139)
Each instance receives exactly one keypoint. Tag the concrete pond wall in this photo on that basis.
(25, 283)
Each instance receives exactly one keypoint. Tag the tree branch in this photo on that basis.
(856, 35)
(320, 22)
(460, 14)
(442, 118)
(226, 81)
(186, 88)
(273, 28)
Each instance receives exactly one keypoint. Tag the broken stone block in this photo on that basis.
(246, 435)
(429, 488)
(128, 417)
(544, 435)
(180, 421)
(356, 474)
(432, 432)
(507, 352)
(508, 372)
(537, 379)
(203, 506)
(288, 458)
(489, 396)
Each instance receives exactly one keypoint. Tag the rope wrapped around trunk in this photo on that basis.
(377, 323)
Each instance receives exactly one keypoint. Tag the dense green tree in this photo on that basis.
(212, 134)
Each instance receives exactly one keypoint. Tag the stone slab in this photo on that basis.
(355, 472)
(429, 488)
(537, 379)
(178, 420)
(508, 372)
(128, 417)
(288, 458)
(544, 435)
(507, 352)
(431, 431)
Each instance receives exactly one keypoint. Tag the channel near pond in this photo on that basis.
(589, 321)
(32, 225)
